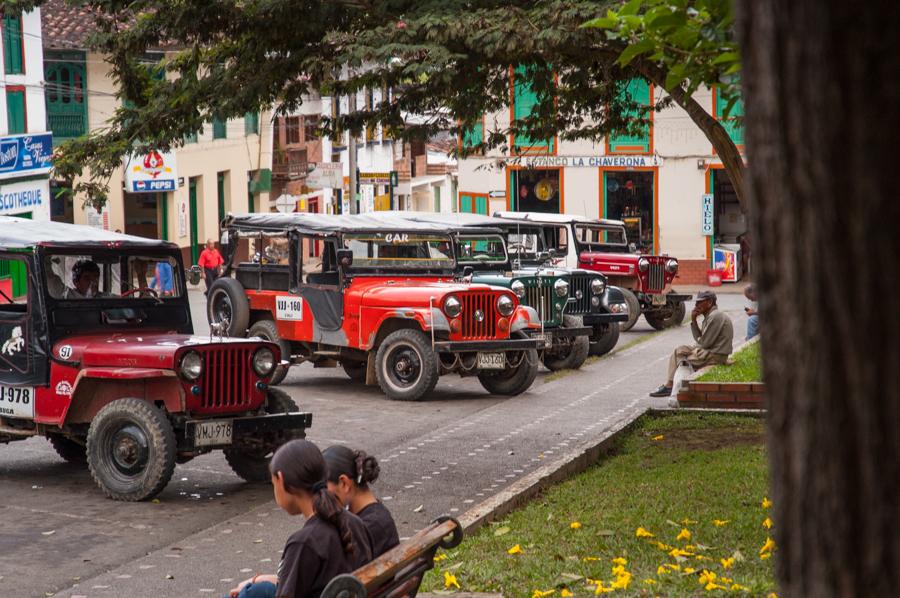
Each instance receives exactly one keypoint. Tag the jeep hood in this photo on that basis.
(624, 264)
(415, 292)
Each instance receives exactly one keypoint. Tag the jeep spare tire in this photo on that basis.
(252, 463)
(266, 330)
(634, 310)
(406, 366)
(131, 450)
(226, 302)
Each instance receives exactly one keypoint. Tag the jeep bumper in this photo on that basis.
(510, 344)
(270, 429)
(607, 318)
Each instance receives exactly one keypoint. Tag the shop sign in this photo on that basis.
(326, 175)
(707, 215)
(183, 218)
(152, 172)
(591, 161)
(28, 196)
(375, 178)
(25, 155)
(97, 219)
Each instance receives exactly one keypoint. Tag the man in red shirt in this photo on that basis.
(211, 261)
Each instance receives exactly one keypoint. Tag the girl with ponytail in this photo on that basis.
(331, 542)
(349, 475)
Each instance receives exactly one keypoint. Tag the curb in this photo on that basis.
(548, 475)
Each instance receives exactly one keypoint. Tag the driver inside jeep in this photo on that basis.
(86, 280)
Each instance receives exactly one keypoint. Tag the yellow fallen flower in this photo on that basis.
(450, 581)
(674, 567)
(765, 555)
(602, 590)
(622, 581)
(589, 559)
(661, 570)
(769, 546)
(687, 521)
(767, 523)
(565, 593)
(575, 525)
(619, 561)
(766, 503)
(440, 558)
(650, 582)
(713, 586)
(515, 550)
(685, 534)
(675, 553)
(658, 438)
(736, 587)
(727, 563)
(662, 546)
(725, 580)
(642, 533)
(720, 522)
(707, 576)
(544, 594)
(619, 570)
(688, 570)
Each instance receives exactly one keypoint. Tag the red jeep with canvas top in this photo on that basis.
(376, 294)
(602, 246)
(97, 353)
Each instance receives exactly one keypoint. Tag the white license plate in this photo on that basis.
(542, 339)
(213, 433)
(659, 299)
(491, 361)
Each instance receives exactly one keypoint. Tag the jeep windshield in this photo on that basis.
(482, 250)
(106, 275)
(400, 251)
(595, 237)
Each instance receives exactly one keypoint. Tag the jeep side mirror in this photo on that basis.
(344, 257)
(545, 255)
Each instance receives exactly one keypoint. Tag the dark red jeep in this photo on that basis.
(97, 353)
(602, 246)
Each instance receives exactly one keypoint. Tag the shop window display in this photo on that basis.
(536, 190)
(629, 197)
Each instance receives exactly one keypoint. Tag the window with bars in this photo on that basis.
(293, 134)
(13, 48)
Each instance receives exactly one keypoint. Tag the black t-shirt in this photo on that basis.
(313, 556)
(382, 529)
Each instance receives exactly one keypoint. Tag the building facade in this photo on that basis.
(25, 144)
(665, 182)
(180, 196)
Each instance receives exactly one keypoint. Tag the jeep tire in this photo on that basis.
(406, 366)
(570, 356)
(131, 450)
(68, 449)
(268, 331)
(227, 301)
(604, 338)
(513, 381)
(674, 316)
(355, 370)
(634, 310)
(252, 464)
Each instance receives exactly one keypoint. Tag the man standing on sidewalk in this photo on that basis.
(714, 340)
(211, 262)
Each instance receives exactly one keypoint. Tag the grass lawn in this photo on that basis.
(747, 367)
(703, 473)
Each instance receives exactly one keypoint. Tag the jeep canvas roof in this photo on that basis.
(21, 233)
(371, 222)
(556, 218)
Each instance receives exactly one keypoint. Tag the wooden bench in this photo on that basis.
(398, 573)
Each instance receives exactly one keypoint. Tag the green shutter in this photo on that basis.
(12, 44)
(481, 205)
(251, 200)
(192, 200)
(474, 136)
(220, 192)
(163, 200)
(191, 137)
(734, 122)
(437, 199)
(219, 128)
(15, 112)
(65, 95)
(524, 102)
(465, 203)
(251, 123)
(18, 272)
(637, 90)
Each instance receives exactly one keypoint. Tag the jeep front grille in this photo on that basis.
(227, 378)
(473, 327)
(657, 277)
(580, 284)
(541, 299)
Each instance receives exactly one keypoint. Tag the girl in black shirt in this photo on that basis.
(349, 475)
(331, 542)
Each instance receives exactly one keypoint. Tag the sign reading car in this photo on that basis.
(151, 172)
(25, 154)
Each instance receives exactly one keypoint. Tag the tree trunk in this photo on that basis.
(822, 98)
(712, 128)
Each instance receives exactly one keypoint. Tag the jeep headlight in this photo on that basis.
(518, 288)
(505, 305)
(263, 361)
(643, 264)
(672, 266)
(561, 287)
(191, 365)
(452, 306)
(598, 286)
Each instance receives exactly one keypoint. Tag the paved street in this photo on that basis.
(209, 529)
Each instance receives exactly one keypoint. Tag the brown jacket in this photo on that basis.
(717, 333)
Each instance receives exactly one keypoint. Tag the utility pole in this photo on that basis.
(351, 152)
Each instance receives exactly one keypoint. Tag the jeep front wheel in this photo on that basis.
(355, 370)
(68, 449)
(131, 450)
(572, 355)
(512, 381)
(672, 315)
(252, 462)
(604, 338)
(406, 366)
(266, 330)
(634, 310)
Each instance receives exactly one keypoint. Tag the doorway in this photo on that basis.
(629, 196)
(536, 190)
(730, 249)
(192, 209)
(142, 214)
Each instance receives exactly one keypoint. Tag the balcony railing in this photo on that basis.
(66, 126)
(290, 164)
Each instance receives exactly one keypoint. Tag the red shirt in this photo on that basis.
(210, 258)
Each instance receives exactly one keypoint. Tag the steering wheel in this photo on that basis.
(131, 292)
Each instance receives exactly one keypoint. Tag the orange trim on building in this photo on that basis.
(526, 151)
(601, 189)
(459, 140)
(473, 195)
(562, 186)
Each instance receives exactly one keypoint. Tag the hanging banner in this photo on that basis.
(616, 161)
(22, 155)
(152, 172)
(326, 175)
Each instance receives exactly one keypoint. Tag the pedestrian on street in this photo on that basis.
(332, 542)
(752, 311)
(714, 341)
(211, 262)
(349, 475)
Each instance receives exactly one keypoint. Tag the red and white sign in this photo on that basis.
(153, 172)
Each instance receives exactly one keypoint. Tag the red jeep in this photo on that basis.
(376, 294)
(97, 354)
(602, 246)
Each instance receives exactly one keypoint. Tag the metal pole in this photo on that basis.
(351, 151)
